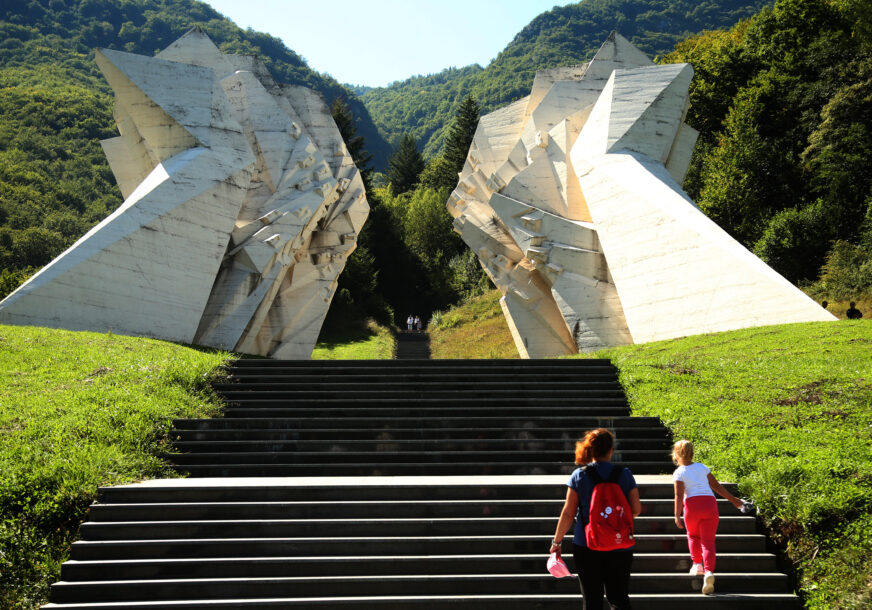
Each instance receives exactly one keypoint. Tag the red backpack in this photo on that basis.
(610, 521)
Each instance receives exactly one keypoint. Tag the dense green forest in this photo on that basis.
(62, 35)
(783, 102)
(423, 106)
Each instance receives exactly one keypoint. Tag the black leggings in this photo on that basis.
(603, 569)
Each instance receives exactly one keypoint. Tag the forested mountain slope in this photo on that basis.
(54, 107)
(783, 103)
(567, 35)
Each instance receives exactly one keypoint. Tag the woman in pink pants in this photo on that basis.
(693, 492)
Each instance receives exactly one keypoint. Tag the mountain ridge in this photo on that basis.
(424, 105)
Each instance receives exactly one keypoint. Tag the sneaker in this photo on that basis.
(696, 569)
(708, 584)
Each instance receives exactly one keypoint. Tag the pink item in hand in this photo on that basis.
(557, 566)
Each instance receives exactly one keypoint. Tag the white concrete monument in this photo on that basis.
(571, 198)
(241, 207)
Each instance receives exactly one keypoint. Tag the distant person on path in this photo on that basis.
(824, 304)
(418, 323)
(693, 484)
(853, 313)
(410, 321)
(597, 570)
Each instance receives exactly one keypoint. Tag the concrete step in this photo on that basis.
(389, 407)
(298, 528)
(243, 381)
(656, 436)
(421, 490)
(629, 449)
(461, 364)
(433, 584)
(454, 414)
(272, 453)
(87, 550)
(563, 601)
(363, 383)
(317, 565)
(397, 469)
(448, 377)
(511, 395)
(422, 424)
(188, 511)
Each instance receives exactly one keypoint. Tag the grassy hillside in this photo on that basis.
(373, 342)
(567, 35)
(476, 329)
(67, 32)
(77, 411)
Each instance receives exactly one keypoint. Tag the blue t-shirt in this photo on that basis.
(583, 486)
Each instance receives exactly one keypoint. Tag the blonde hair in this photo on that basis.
(595, 444)
(682, 450)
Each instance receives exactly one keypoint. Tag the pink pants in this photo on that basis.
(701, 521)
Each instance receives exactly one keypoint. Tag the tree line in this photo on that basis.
(783, 102)
(409, 260)
(424, 106)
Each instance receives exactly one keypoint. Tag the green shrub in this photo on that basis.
(847, 272)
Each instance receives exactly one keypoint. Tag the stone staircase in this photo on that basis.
(413, 346)
(416, 484)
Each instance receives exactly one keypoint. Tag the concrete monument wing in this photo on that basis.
(571, 199)
(241, 207)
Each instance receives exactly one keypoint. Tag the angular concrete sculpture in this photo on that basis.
(571, 198)
(241, 207)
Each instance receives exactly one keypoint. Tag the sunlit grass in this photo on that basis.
(476, 329)
(80, 410)
(373, 342)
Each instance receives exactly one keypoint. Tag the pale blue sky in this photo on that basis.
(374, 42)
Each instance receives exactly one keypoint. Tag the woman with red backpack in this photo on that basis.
(603, 500)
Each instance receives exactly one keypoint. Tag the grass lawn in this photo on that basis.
(785, 411)
(373, 342)
(476, 329)
(79, 410)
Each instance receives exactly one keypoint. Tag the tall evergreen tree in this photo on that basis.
(344, 119)
(406, 165)
(462, 131)
(442, 171)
